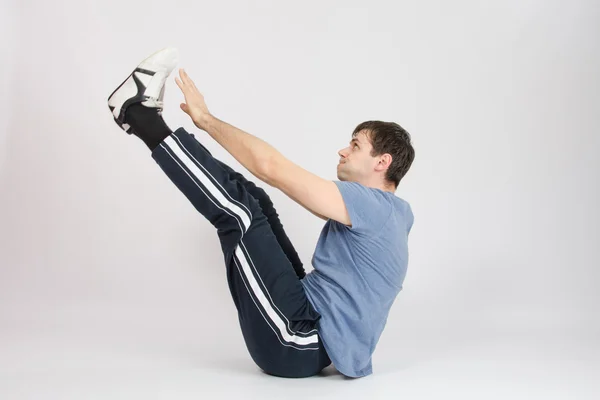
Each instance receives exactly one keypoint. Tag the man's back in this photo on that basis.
(358, 272)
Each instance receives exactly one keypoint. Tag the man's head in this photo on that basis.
(379, 155)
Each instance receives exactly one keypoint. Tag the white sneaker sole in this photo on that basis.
(145, 85)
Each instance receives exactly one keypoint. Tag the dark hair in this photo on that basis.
(389, 137)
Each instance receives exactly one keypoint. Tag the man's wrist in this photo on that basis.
(205, 121)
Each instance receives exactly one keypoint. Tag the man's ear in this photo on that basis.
(384, 162)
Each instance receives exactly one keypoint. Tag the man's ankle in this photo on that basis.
(147, 124)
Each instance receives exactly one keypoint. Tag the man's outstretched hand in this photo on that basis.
(194, 105)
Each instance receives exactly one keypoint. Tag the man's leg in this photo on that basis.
(269, 210)
(271, 213)
(277, 320)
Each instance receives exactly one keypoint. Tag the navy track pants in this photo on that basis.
(263, 270)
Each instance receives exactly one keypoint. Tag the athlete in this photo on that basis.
(294, 324)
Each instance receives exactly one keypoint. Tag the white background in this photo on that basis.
(112, 286)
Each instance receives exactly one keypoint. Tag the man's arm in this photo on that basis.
(253, 153)
(317, 195)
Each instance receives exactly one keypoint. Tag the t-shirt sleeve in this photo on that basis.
(368, 208)
(411, 219)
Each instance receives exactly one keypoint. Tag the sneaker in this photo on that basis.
(145, 85)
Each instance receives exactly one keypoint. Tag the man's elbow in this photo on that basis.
(266, 170)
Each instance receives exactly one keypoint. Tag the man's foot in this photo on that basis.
(144, 86)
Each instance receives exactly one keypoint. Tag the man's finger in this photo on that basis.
(183, 75)
(187, 78)
(182, 86)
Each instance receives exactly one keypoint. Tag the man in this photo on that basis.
(294, 324)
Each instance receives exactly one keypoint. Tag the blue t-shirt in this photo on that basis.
(358, 272)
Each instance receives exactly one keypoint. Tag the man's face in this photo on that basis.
(356, 162)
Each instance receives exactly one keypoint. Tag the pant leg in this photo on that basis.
(269, 210)
(277, 320)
